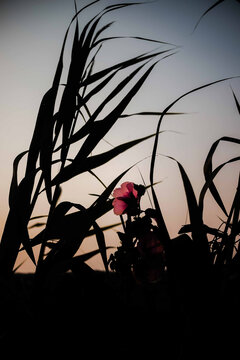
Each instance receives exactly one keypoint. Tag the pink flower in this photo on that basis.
(126, 199)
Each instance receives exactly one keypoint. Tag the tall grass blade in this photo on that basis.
(209, 182)
(131, 37)
(14, 182)
(36, 225)
(115, 92)
(207, 11)
(85, 257)
(69, 229)
(107, 123)
(56, 196)
(55, 232)
(227, 243)
(199, 235)
(154, 152)
(208, 169)
(76, 226)
(100, 31)
(15, 230)
(150, 113)
(236, 102)
(76, 34)
(235, 210)
(194, 213)
(122, 65)
(101, 244)
(98, 178)
(94, 161)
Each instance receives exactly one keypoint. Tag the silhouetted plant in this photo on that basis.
(146, 253)
(146, 250)
(73, 122)
(57, 129)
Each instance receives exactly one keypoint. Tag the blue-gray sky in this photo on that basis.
(31, 35)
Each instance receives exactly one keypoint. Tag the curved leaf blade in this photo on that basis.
(209, 182)
(14, 182)
(92, 162)
(101, 244)
(207, 11)
(208, 169)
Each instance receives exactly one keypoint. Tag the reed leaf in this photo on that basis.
(122, 65)
(103, 228)
(14, 182)
(115, 92)
(207, 11)
(235, 210)
(236, 102)
(75, 227)
(77, 263)
(89, 128)
(69, 229)
(55, 231)
(100, 41)
(76, 68)
(76, 33)
(94, 161)
(227, 243)
(103, 28)
(199, 235)
(38, 217)
(85, 257)
(36, 225)
(208, 169)
(75, 77)
(166, 110)
(15, 230)
(107, 123)
(98, 178)
(209, 230)
(55, 228)
(150, 113)
(41, 143)
(209, 182)
(101, 244)
(194, 212)
(154, 152)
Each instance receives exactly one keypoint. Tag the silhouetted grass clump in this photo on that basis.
(167, 295)
(60, 127)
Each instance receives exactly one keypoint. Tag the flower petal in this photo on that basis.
(122, 191)
(119, 206)
(131, 189)
(117, 193)
(126, 188)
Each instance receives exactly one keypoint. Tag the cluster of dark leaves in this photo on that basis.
(56, 130)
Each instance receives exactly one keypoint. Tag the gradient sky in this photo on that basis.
(31, 35)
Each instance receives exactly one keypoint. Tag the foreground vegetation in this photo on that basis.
(177, 278)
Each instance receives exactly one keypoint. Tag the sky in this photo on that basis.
(31, 35)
